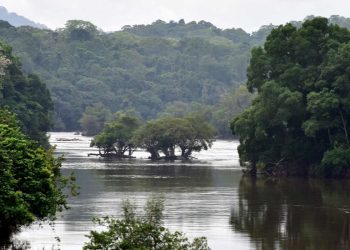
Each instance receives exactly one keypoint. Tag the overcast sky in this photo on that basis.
(111, 15)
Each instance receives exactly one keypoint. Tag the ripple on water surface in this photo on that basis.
(205, 197)
(198, 193)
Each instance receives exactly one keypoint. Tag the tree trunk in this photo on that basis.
(253, 170)
(188, 153)
(344, 126)
(329, 137)
(154, 153)
(172, 151)
(183, 150)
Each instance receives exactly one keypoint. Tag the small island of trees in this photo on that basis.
(164, 136)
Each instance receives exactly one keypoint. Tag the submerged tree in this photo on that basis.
(298, 124)
(145, 231)
(115, 138)
(30, 180)
(197, 135)
(164, 135)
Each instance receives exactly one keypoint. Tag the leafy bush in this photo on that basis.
(141, 231)
(335, 162)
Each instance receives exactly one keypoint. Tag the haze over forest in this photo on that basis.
(166, 68)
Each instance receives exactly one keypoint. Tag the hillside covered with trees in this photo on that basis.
(154, 70)
(26, 96)
(30, 179)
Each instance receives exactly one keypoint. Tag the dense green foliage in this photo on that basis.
(145, 71)
(160, 136)
(164, 135)
(116, 137)
(146, 68)
(30, 180)
(93, 119)
(218, 115)
(144, 232)
(24, 95)
(298, 124)
(227, 108)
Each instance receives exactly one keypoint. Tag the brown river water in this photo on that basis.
(205, 197)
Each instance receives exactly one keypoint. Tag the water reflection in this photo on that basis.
(198, 193)
(202, 197)
(14, 244)
(293, 214)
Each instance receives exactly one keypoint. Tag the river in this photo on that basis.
(205, 197)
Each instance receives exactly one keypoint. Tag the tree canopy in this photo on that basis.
(116, 137)
(164, 135)
(298, 123)
(144, 68)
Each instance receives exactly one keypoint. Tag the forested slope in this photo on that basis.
(146, 68)
(124, 70)
(25, 95)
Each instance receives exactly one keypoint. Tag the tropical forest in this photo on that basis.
(176, 135)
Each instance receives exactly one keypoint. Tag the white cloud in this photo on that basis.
(113, 14)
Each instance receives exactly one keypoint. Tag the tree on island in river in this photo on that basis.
(30, 180)
(115, 138)
(164, 135)
(299, 121)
